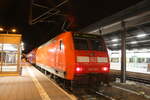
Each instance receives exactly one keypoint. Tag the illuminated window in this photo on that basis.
(115, 60)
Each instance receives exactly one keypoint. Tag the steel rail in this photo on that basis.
(141, 80)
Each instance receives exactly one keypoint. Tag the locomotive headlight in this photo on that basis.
(105, 69)
(78, 69)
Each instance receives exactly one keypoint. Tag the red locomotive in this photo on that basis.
(75, 57)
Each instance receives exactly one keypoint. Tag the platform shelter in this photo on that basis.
(10, 54)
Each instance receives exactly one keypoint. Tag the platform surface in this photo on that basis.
(32, 85)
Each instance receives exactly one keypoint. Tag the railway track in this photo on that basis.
(89, 94)
(141, 80)
(104, 95)
(132, 91)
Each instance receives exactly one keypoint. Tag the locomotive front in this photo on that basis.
(92, 61)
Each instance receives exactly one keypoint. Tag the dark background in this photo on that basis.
(80, 13)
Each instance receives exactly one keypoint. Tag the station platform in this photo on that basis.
(31, 85)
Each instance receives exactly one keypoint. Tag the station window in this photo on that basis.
(148, 60)
(115, 60)
(2, 56)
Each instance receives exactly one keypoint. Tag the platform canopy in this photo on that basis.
(10, 38)
(137, 22)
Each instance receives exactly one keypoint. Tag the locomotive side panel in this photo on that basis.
(46, 56)
(57, 56)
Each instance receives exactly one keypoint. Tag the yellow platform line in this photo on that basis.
(72, 97)
(39, 87)
(9, 74)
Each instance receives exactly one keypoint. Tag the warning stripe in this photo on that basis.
(39, 87)
(72, 97)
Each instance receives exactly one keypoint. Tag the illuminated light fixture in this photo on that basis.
(78, 69)
(22, 48)
(134, 42)
(115, 45)
(141, 35)
(105, 68)
(115, 40)
(22, 45)
(51, 50)
(14, 30)
(1, 29)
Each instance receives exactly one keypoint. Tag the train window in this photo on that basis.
(97, 45)
(148, 60)
(81, 44)
(141, 60)
(61, 45)
(115, 60)
(131, 60)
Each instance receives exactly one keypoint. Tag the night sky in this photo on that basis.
(16, 13)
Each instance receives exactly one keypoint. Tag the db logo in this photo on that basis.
(93, 59)
(92, 69)
(92, 54)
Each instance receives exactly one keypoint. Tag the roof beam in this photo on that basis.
(41, 6)
(47, 12)
(130, 22)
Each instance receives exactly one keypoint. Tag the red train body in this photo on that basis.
(31, 56)
(73, 56)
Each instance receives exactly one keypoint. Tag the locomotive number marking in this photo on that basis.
(92, 69)
(93, 59)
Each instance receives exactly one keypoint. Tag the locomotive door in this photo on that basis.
(60, 55)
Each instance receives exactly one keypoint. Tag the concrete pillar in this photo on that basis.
(123, 53)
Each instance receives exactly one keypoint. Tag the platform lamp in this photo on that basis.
(22, 45)
(13, 30)
(1, 29)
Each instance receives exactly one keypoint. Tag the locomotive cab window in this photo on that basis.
(97, 45)
(89, 43)
(81, 44)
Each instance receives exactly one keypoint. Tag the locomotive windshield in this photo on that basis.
(81, 44)
(89, 42)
